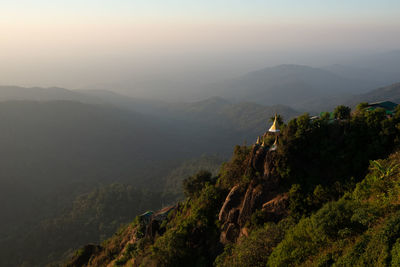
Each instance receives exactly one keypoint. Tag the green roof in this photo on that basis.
(388, 105)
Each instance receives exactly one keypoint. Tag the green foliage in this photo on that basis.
(91, 218)
(233, 172)
(319, 161)
(382, 183)
(279, 120)
(362, 228)
(335, 216)
(258, 218)
(253, 250)
(188, 168)
(375, 246)
(333, 222)
(194, 184)
(333, 155)
(325, 116)
(342, 112)
(361, 107)
(192, 235)
(395, 253)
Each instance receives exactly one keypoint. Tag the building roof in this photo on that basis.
(388, 105)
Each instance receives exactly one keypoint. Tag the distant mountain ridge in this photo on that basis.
(43, 94)
(243, 116)
(292, 85)
(387, 93)
(215, 111)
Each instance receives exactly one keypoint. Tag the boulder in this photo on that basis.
(252, 201)
(257, 158)
(277, 208)
(230, 234)
(231, 201)
(233, 215)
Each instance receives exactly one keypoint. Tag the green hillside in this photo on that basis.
(91, 217)
(321, 198)
(56, 151)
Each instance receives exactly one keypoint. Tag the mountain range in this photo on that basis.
(54, 150)
(59, 144)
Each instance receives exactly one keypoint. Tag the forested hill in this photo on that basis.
(55, 152)
(322, 197)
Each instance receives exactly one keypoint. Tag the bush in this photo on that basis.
(194, 184)
(310, 235)
(253, 250)
(342, 112)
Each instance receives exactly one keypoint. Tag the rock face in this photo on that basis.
(231, 201)
(277, 208)
(261, 194)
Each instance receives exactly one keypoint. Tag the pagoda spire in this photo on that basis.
(258, 141)
(274, 128)
(275, 144)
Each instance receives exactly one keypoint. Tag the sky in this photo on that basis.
(128, 43)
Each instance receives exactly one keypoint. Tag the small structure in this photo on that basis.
(274, 145)
(146, 217)
(258, 141)
(389, 106)
(274, 128)
(163, 213)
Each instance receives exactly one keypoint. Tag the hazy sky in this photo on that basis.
(96, 43)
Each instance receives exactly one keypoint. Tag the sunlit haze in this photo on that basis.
(127, 45)
(199, 133)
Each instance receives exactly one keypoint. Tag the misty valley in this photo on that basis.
(78, 166)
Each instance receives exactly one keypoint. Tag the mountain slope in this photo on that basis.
(218, 112)
(387, 93)
(374, 77)
(278, 207)
(53, 151)
(91, 217)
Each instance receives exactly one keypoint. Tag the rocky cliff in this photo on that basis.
(262, 193)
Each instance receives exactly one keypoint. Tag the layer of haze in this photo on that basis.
(131, 46)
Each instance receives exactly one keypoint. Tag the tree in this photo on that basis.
(342, 112)
(362, 106)
(279, 119)
(326, 116)
(194, 184)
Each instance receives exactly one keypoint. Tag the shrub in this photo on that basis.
(342, 112)
(253, 250)
(194, 184)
